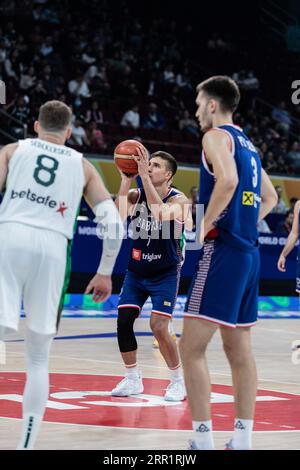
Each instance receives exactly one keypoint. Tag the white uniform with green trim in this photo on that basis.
(37, 217)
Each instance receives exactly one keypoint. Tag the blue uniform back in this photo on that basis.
(157, 246)
(237, 225)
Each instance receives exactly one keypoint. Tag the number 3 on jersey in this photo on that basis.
(45, 170)
(255, 175)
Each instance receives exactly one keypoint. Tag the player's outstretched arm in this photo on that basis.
(5, 154)
(108, 216)
(292, 239)
(269, 196)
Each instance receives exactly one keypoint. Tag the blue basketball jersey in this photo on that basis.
(237, 225)
(156, 246)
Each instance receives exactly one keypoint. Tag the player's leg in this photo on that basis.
(214, 300)
(169, 350)
(171, 331)
(37, 386)
(163, 292)
(131, 300)
(196, 335)
(160, 327)
(125, 332)
(11, 278)
(132, 383)
(237, 346)
(47, 278)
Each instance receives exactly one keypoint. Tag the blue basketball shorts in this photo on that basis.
(225, 286)
(162, 289)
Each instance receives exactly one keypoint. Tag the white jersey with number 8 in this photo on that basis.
(44, 186)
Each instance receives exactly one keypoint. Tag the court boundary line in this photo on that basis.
(142, 429)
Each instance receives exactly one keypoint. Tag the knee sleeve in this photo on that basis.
(126, 338)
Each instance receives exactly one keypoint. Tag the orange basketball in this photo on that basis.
(123, 156)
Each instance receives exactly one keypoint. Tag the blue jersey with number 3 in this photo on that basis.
(237, 225)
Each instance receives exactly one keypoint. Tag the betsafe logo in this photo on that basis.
(44, 200)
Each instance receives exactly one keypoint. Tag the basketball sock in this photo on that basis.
(132, 370)
(203, 435)
(30, 428)
(242, 437)
(37, 386)
(176, 372)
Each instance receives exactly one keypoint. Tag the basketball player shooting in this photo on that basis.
(154, 266)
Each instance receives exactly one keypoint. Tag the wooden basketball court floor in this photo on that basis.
(86, 358)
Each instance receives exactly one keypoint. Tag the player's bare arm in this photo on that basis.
(216, 146)
(5, 155)
(269, 196)
(100, 201)
(179, 208)
(126, 198)
(292, 239)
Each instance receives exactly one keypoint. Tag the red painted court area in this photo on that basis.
(85, 399)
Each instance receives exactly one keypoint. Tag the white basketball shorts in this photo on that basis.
(32, 269)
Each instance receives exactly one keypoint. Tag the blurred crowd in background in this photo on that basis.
(128, 72)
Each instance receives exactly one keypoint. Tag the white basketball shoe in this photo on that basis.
(132, 384)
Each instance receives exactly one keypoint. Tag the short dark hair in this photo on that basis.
(55, 116)
(223, 89)
(171, 162)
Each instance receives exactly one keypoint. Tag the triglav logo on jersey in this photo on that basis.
(137, 255)
(151, 257)
(46, 201)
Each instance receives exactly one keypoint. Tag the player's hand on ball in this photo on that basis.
(126, 177)
(281, 264)
(101, 286)
(142, 161)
